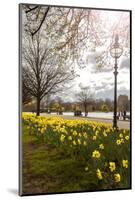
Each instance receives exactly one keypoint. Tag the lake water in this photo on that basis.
(108, 115)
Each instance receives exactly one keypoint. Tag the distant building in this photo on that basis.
(123, 103)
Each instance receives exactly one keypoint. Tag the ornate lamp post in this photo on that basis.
(116, 51)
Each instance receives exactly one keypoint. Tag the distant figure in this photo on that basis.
(124, 115)
(86, 114)
(118, 115)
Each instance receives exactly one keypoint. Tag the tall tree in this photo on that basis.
(85, 97)
(44, 71)
(53, 38)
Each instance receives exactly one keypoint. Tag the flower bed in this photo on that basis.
(105, 151)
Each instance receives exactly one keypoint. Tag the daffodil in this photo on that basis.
(74, 143)
(118, 142)
(101, 146)
(62, 137)
(99, 174)
(85, 135)
(42, 130)
(122, 140)
(70, 137)
(80, 135)
(94, 137)
(96, 154)
(79, 141)
(74, 133)
(96, 133)
(121, 135)
(112, 166)
(127, 137)
(125, 163)
(104, 134)
(94, 127)
(117, 178)
(84, 143)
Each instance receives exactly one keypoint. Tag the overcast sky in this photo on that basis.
(101, 82)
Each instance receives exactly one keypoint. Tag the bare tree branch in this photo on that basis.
(43, 19)
(31, 9)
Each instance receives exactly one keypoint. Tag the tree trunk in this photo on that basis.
(38, 106)
(85, 109)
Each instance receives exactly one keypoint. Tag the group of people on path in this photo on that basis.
(122, 115)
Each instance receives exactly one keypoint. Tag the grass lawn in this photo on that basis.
(48, 170)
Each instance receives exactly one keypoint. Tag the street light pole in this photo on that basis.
(115, 51)
(115, 95)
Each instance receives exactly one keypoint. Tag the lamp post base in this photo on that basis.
(115, 124)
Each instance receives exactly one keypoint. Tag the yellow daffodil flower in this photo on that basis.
(117, 178)
(99, 174)
(101, 146)
(96, 154)
(125, 163)
(62, 137)
(112, 166)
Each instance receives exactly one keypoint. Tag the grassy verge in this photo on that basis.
(48, 170)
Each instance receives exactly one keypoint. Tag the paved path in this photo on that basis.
(121, 124)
